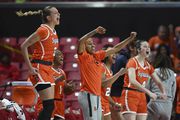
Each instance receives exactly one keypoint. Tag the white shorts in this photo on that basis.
(91, 105)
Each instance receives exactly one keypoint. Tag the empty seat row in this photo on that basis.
(69, 48)
(13, 41)
(103, 41)
(73, 75)
(72, 66)
(67, 44)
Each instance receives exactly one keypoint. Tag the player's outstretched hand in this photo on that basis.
(100, 30)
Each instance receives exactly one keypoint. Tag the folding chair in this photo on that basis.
(23, 93)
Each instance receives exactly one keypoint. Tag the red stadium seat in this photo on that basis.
(21, 40)
(99, 47)
(96, 40)
(11, 41)
(24, 71)
(17, 64)
(69, 49)
(72, 97)
(5, 115)
(73, 75)
(71, 57)
(68, 40)
(70, 67)
(110, 40)
(77, 85)
(17, 54)
(6, 93)
(24, 75)
(73, 110)
(75, 105)
(24, 67)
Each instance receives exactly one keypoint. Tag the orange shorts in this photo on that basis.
(133, 102)
(106, 109)
(116, 99)
(59, 109)
(45, 76)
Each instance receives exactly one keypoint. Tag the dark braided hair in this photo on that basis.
(44, 13)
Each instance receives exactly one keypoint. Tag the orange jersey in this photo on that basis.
(178, 95)
(105, 92)
(135, 101)
(176, 64)
(59, 93)
(91, 71)
(155, 41)
(59, 87)
(142, 73)
(48, 43)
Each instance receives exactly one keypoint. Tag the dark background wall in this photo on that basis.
(76, 21)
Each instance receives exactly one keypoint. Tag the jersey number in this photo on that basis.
(60, 89)
(108, 90)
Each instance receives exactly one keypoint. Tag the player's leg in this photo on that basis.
(107, 117)
(47, 97)
(141, 117)
(90, 105)
(129, 116)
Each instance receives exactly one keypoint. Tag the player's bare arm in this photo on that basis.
(122, 44)
(160, 85)
(24, 48)
(81, 46)
(132, 80)
(111, 80)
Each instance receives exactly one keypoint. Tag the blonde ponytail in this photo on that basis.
(20, 13)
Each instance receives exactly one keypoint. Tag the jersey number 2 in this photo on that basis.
(108, 90)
